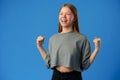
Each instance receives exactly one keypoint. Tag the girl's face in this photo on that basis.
(66, 17)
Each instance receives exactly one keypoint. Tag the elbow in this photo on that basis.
(86, 65)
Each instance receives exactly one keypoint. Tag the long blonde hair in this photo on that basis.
(75, 13)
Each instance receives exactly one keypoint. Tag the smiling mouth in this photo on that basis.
(64, 21)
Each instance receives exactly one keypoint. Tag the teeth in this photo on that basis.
(64, 21)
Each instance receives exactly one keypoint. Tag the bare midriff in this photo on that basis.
(64, 69)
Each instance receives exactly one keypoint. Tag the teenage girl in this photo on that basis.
(69, 51)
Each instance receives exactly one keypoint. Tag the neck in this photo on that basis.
(65, 30)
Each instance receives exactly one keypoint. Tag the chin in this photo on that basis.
(64, 25)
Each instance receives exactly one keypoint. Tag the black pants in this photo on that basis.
(74, 75)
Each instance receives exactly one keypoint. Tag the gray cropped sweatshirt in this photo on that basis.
(69, 49)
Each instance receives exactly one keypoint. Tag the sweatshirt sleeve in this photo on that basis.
(47, 58)
(86, 53)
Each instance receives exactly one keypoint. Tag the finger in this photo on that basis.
(97, 41)
(39, 39)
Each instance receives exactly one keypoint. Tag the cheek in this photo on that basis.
(71, 18)
(59, 17)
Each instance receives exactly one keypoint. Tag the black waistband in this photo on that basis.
(72, 72)
(74, 75)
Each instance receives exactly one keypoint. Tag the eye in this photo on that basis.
(68, 14)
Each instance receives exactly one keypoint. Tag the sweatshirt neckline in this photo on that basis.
(66, 32)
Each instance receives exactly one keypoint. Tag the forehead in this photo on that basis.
(65, 9)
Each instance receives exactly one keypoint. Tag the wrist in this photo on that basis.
(96, 49)
(40, 46)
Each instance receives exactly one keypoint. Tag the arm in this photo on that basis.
(40, 41)
(96, 50)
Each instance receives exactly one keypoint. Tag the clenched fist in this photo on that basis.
(40, 41)
(97, 42)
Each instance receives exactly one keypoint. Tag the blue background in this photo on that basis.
(21, 21)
